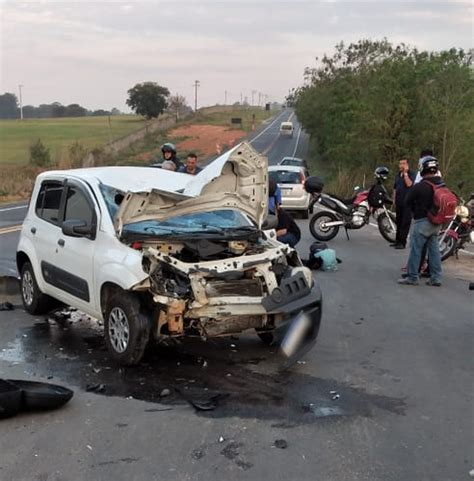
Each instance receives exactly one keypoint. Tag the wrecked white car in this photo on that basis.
(158, 254)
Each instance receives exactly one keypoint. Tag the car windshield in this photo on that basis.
(218, 221)
(286, 127)
(295, 162)
(285, 177)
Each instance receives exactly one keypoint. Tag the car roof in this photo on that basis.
(292, 158)
(286, 123)
(126, 178)
(289, 168)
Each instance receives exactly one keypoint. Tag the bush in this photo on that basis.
(77, 153)
(39, 154)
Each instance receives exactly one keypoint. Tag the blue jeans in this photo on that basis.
(424, 233)
(289, 238)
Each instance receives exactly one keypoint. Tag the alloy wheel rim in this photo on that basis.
(27, 288)
(119, 330)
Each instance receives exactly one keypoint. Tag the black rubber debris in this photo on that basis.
(38, 396)
(6, 306)
(10, 399)
(280, 444)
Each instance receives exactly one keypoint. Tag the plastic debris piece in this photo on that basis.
(165, 392)
(89, 447)
(280, 444)
(221, 439)
(95, 388)
(332, 392)
(335, 397)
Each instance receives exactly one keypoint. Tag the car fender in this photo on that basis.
(122, 274)
(26, 246)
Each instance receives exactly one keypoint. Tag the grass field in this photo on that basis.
(224, 118)
(56, 134)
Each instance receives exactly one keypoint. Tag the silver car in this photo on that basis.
(291, 180)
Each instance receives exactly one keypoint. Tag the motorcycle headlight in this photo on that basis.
(462, 211)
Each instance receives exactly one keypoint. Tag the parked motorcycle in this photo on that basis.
(354, 213)
(459, 231)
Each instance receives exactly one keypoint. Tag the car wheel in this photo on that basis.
(127, 330)
(34, 301)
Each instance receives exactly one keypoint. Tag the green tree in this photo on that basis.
(148, 99)
(372, 103)
(8, 106)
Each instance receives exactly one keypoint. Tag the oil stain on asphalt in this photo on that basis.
(218, 378)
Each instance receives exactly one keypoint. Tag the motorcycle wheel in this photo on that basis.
(447, 247)
(385, 228)
(323, 234)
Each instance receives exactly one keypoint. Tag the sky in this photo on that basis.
(91, 53)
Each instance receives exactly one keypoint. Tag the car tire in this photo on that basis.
(34, 301)
(126, 329)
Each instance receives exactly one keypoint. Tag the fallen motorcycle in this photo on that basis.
(459, 231)
(353, 213)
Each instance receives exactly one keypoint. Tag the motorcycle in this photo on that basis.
(459, 231)
(353, 213)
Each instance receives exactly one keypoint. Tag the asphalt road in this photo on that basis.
(399, 357)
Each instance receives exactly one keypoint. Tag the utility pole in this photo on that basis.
(196, 85)
(21, 102)
(225, 97)
(253, 95)
(241, 100)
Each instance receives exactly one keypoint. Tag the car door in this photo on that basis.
(72, 266)
(44, 226)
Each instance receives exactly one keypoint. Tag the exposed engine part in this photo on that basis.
(238, 247)
(171, 316)
(168, 282)
(231, 324)
(359, 216)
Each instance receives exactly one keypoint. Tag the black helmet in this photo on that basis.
(381, 173)
(429, 165)
(168, 147)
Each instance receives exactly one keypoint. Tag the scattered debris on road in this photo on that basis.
(280, 444)
(165, 392)
(6, 306)
(95, 388)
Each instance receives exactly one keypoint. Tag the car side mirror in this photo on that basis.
(271, 222)
(77, 228)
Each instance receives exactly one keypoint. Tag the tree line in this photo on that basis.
(373, 103)
(9, 109)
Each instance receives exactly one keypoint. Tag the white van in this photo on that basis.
(286, 128)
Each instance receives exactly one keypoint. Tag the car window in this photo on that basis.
(286, 127)
(285, 177)
(77, 206)
(48, 202)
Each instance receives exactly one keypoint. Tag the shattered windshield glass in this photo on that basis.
(218, 221)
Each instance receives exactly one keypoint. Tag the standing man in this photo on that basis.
(403, 183)
(420, 199)
(191, 166)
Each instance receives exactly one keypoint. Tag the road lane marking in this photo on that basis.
(5, 209)
(267, 127)
(10, 229)
(297, 140)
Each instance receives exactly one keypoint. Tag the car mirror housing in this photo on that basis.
(270, 222)
(77, 228)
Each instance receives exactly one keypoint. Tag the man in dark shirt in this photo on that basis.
(287, 230)
(420, 200)
(191, 166)
(403, 183)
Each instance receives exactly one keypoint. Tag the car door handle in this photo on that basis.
(61, 242)
(33, 230)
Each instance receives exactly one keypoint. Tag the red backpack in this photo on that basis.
(444, 204)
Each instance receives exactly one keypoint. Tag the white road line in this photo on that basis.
(297, 140)
(13, 208)
(266, 128)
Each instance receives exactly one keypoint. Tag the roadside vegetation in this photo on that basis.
(31, 146)
(372, 103)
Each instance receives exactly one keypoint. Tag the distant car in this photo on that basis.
(286, 129)
(294, 161)
(159, 255)
(291, 180)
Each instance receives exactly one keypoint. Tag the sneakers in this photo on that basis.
(405, 281)
(430, 282)
(399, 246)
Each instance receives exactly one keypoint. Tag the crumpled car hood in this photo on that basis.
(237, 180)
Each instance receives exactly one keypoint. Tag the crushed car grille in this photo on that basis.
(241, 287)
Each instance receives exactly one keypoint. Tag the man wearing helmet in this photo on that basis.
(403, 183)
(169, 153)
(420, 200)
